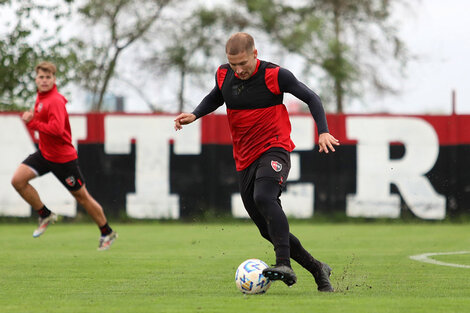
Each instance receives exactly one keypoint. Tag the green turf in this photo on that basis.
(175, 267)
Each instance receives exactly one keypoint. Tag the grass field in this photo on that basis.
(176, 267)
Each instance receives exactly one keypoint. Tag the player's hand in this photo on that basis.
(327, 142)
(27, 116)
(184, 119)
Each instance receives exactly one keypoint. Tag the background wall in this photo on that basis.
(137, 165)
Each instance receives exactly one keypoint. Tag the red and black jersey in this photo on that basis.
(51, 120)
(257, 117)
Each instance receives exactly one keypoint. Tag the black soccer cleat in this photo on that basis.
(322, 278)
(281, 272)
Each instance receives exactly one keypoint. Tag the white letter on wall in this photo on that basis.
(375, 170)
(17, 145)
(152, 198)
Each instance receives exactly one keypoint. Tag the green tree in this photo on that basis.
(117, 25)
(350, 40)
(24, 43)
(191, 44)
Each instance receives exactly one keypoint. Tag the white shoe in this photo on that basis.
(107, 241)
(44, 223)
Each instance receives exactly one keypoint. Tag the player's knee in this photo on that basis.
(18, 183)
(81, 197)
(263, 200)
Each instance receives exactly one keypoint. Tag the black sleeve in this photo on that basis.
(289, 83)
(210, 103)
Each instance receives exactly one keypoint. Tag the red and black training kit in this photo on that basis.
(260, 128)
(257, 117)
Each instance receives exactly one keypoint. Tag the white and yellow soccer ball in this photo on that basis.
(249, 277)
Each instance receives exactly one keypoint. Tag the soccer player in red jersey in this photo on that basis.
(259, 123)
(56, 154)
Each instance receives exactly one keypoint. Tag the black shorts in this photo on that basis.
(273, 164)
(68, 173)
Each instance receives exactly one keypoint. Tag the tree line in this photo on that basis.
(343, 44)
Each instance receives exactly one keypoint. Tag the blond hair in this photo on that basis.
(238, 43)
(46, 66)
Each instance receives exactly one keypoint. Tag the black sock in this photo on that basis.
(282, 262)
(105, 230)
(282, 255)
(303, 257)
(44, 212)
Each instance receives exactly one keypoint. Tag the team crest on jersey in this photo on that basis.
(276, 166)
(70, 181)
(39, 106)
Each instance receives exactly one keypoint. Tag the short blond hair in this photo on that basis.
(238, 43)
(46, 66)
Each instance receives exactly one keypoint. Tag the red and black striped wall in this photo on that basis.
(205, 182)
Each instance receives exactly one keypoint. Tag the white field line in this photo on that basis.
(425, 258)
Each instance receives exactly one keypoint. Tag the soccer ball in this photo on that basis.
(249, 277)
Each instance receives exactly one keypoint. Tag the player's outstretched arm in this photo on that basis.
(184, 119)
(327, 142)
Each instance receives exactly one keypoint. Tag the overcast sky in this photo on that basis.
(439, 33)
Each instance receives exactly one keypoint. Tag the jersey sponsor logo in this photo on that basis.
(238, 89)
(276, 166)
(70, 181)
